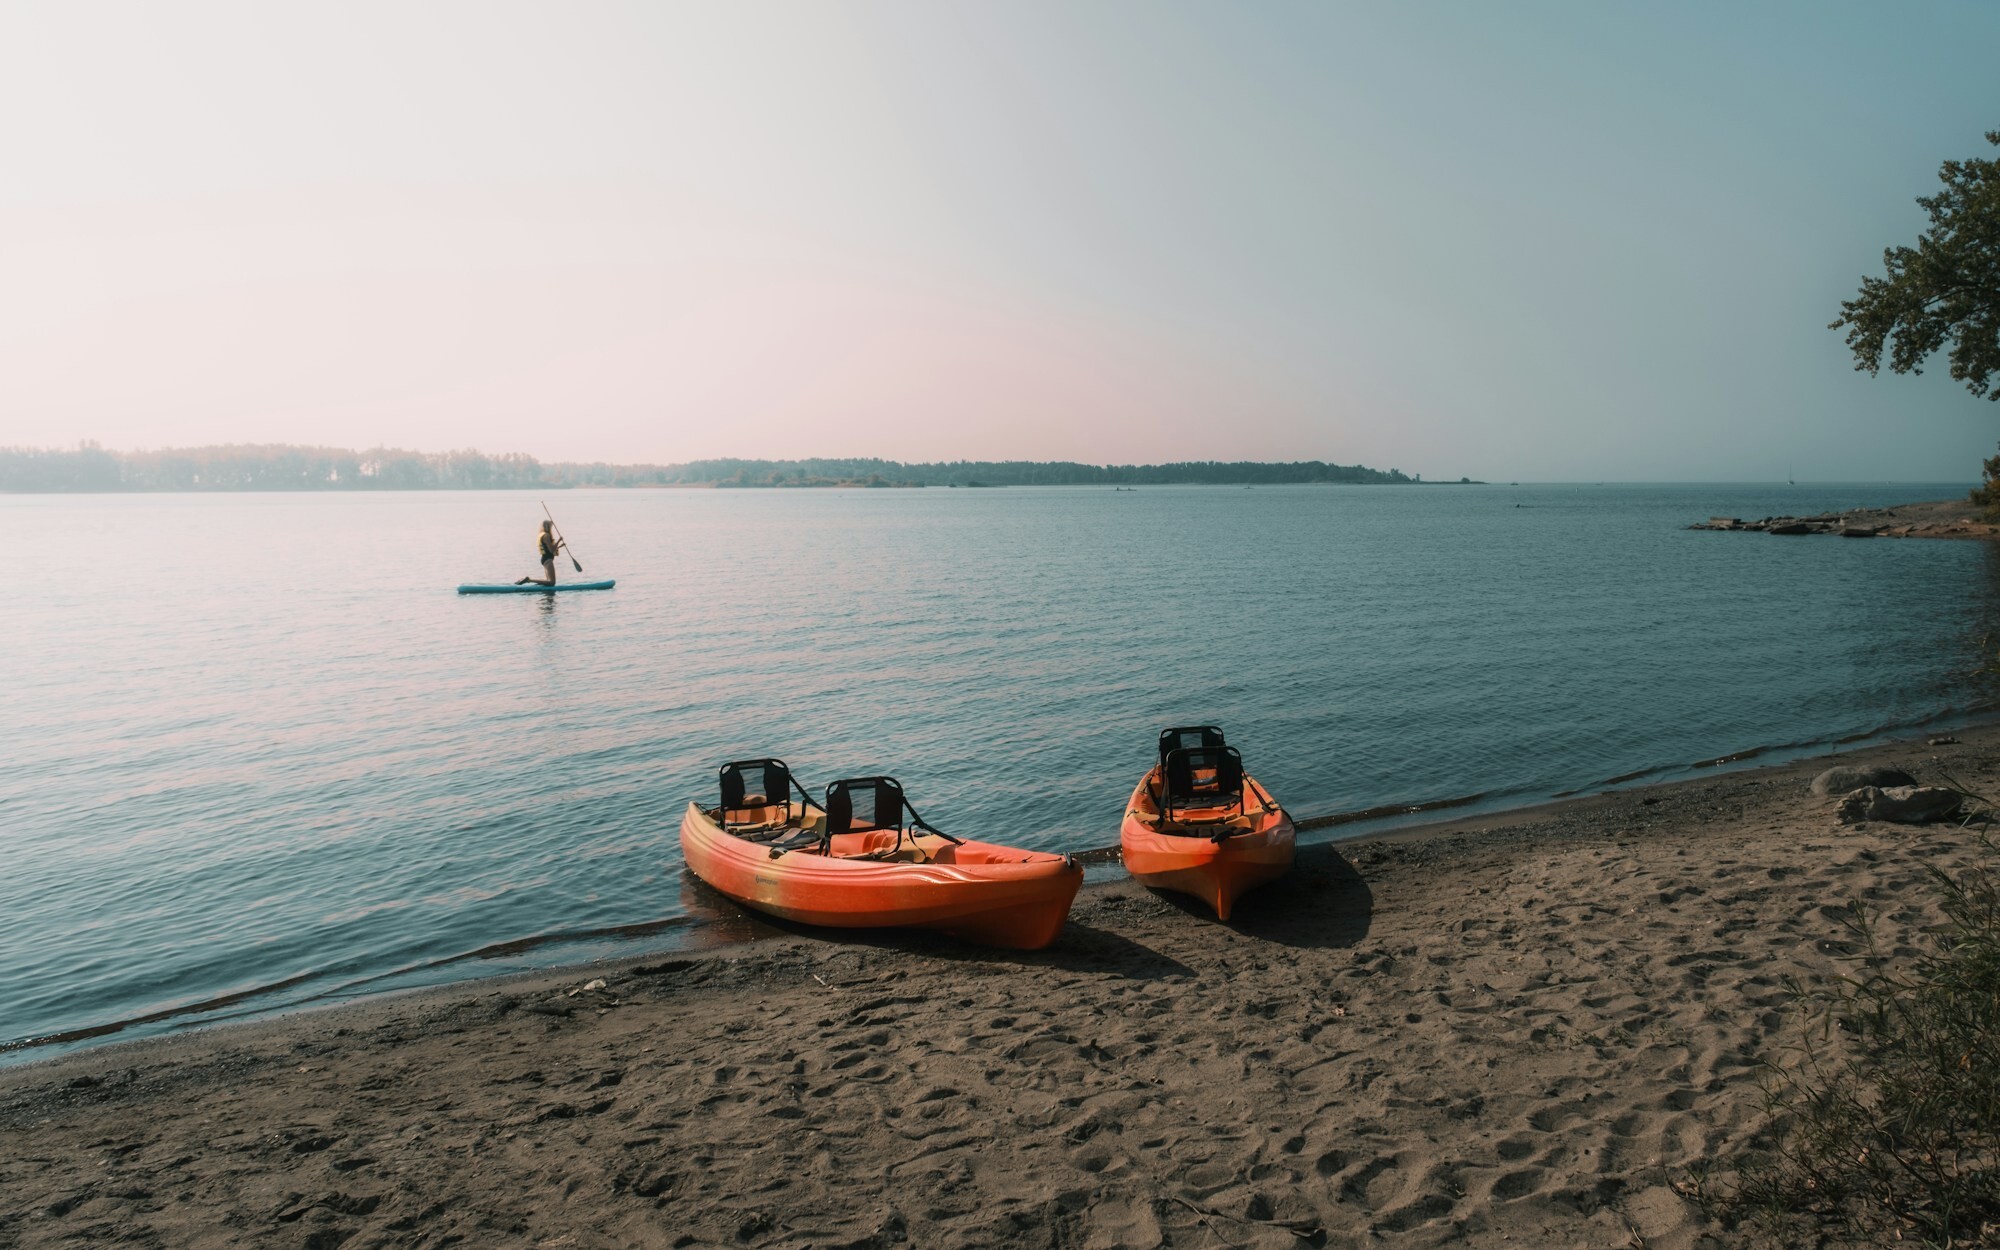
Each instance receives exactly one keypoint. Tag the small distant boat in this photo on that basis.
(532, 588)
(1197, 824)
(852, 862)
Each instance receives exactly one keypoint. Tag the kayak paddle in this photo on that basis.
(574, 562)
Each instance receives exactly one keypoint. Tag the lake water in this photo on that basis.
(258, 754)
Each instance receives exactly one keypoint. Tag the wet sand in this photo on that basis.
(1517, 1029)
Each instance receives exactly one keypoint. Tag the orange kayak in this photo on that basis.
(1218, 838)
(780, 856)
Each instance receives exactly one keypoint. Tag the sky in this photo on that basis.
(1530, 241)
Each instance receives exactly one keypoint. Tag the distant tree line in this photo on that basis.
(243, 467)
(1007, 473)
(240, 466)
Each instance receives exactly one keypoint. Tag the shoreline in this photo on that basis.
(1501, 1026)
(711, 923)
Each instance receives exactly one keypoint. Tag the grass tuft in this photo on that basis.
(1885, 1126)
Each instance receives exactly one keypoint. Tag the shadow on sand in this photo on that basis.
(1080, 948)
(1322, 903)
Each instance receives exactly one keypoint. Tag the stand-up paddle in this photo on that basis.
(574, 562)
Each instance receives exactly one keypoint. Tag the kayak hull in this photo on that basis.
(1189, 859)
(477, 588)
(977, 891)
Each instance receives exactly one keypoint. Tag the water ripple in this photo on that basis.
(326, 773)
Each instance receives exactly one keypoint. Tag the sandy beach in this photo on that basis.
(1515, 1029)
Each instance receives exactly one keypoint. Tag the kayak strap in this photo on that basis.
(918, 822)
(797, 838)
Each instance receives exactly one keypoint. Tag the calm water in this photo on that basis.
(256, 741)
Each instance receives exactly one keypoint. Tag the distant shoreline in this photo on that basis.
(90, 469)
(691, 486)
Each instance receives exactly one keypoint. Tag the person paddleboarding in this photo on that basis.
(547, 543)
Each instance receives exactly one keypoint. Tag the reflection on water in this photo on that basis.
(342, 776)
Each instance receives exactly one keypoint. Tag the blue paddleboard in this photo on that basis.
(532, 589)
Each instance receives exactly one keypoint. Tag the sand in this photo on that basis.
(1518, 1030)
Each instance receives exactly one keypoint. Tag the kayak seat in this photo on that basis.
(1201, 785)
(1184, 737)
(756, 797)
(1188, 737)
(872, 804)
(864, 804)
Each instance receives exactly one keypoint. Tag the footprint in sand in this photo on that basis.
(1509, 1185)
(1514, 1149)
(1373, 1185)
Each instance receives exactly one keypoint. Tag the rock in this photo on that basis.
(1943, 740)
(1851, 777)
(1858, 531)
(1903, 805)
(1791, 527)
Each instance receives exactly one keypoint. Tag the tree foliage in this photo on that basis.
(1947, 287)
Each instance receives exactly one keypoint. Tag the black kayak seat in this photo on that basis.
(750, 788)
(1190, 737)
(1201, 777)
(860, 804)
(865, 804)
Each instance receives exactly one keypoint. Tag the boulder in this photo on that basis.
(1903, 805)
(1847, 777)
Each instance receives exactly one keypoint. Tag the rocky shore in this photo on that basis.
(1943, 518)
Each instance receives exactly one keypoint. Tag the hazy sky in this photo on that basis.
(1516, 241)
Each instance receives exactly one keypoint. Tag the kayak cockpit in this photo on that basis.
(757, 798)
(1199, 784)
(862, 818)
(1197, 824)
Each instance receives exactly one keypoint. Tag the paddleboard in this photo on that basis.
(532, 589)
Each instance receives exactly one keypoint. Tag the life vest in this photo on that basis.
(545, 545)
